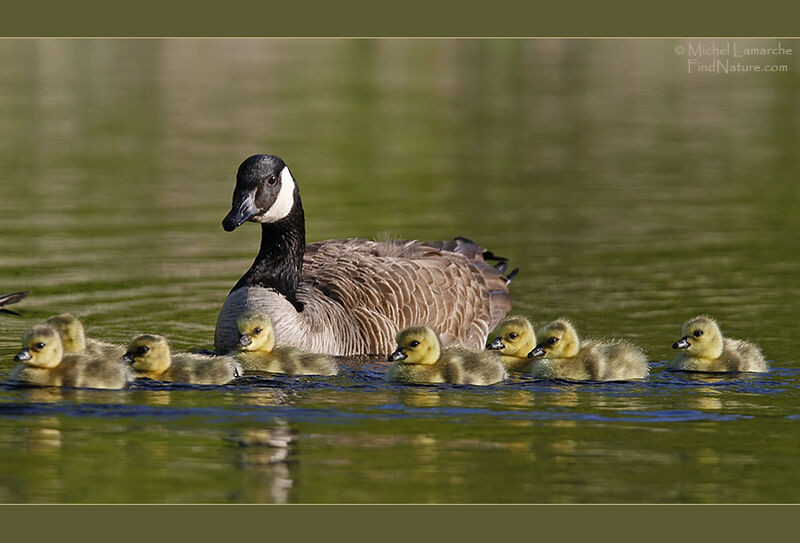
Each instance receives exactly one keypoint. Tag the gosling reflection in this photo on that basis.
(420, 397)
(270, 455)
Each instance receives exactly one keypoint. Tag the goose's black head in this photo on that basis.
(265, 192)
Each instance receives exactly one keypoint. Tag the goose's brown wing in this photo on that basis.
(379, 288)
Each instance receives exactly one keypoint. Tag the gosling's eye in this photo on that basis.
(272, 179)
(256, 331)
(413, 343)
(39, 345)
(552, 340)
(698, 333)
(142, 350)
(513, 335)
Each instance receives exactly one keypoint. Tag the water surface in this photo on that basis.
(630, 194)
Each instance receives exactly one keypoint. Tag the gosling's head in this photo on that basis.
(558, 339)
(255, 332)
(148, 354)
(70, 328)
(701, 337)
(417, 345)
(514, 336)
(41, 347)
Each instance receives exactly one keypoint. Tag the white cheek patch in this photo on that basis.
(284, 202)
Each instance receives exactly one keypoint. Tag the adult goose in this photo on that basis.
(349, 297)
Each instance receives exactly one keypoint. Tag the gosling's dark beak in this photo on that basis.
(397, 355)
(681, 343)
(243, 209)
(537, 352)
(127, 358)
(244, 340)
(496, 344)
(23, 355)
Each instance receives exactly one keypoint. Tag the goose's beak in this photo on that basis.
(397, 355)
(23, 355)
(243, 209)
(537, 352)
(681, 343)
(127, 358)
(496, 344)
(244, 340)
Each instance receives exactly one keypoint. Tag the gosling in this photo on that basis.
(73, 338)
(560, 354)
(257, 350)
(150, 356)
(421, 359)
(45, 364)
(513, 339)
(704, 349)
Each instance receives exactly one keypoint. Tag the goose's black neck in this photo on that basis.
(280, 258)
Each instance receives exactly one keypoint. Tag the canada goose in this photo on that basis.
(567, 357)
(44, 363)
(513, 339)
(150, 356)
(8, 299)
(706, 350)
(258, 352)
(420, 358)
(350, 296)
(74, 340)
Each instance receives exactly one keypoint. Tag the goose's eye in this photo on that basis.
(413, 343)
(698, 333)
(272, 179)
(513, 335)
(39, 345)
(256, 331)
(142, 350)
(552, 340)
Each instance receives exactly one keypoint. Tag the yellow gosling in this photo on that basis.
(421, 359)
(703, 348)
(257, 350)
(513, 339)
(150, 356)
(73, 338)
(560, 354)
(45, 364)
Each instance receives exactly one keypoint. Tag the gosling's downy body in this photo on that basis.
(74, 340)
(150, 356)
(560, 354)
(704, 349)
(257, 350)
(421, 359)
(513, 339)
(44, 363)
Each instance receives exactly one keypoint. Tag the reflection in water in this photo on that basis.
(420, 397)
(269, 456)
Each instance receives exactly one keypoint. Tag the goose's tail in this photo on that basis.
(8, 299)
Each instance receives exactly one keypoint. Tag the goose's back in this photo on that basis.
(358, 294)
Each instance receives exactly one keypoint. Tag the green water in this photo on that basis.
(631, 194)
